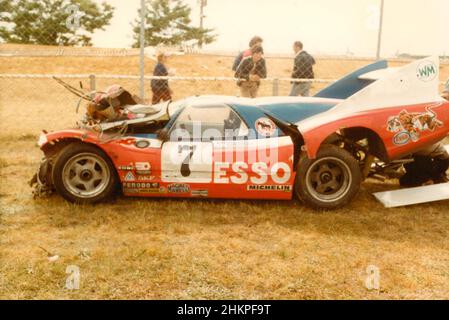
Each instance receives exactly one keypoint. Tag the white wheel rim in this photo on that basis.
(86, 175)
(328, 179)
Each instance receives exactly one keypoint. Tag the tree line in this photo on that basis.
(73, 22)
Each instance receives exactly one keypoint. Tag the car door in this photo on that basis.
(254, 167)
(212, 151)
(187, 155)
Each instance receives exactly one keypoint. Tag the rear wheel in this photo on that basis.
(330, 181)
(84, 174)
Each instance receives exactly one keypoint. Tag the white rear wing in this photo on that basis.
(412, 84)
(378, 74)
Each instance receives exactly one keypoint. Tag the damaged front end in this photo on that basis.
(110, 114)
(41, 181)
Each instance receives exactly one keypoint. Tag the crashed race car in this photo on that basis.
(318, 149)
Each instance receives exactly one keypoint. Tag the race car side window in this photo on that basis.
(208, 123)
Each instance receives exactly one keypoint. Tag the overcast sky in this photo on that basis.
(325, 26)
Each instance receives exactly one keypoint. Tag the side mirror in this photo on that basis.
(163, 134)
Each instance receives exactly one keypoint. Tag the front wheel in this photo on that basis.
(84, 174)
(330, 181)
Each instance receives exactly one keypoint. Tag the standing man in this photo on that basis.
(250, 71)
(302, 69)
(160, 88)
(255, 41)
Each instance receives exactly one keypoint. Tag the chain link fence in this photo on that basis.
(41, 103)
(29, 93)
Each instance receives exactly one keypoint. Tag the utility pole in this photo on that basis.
(142, 48)
(203, 3)
(379, 36)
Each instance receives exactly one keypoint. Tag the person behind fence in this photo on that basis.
(250, 71)
(160, 88)
(255, 41)
(302, 69)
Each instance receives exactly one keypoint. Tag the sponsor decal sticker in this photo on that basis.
(143, 168)
(410, 125)
(130, 177)
(427, 71)
(284, 188)
(148, 185)
(129, 190)
(265, 127)
(200, 193)
(146, 178)
(279, 172)
(126, 168)
(178, 188)
(137, 187)
(401, 138)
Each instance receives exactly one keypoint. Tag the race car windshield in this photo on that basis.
(214, 121)
(175, 106)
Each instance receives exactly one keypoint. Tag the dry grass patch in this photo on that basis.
(199, 249)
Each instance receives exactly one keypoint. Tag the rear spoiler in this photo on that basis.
(413, 84)
(352, 83)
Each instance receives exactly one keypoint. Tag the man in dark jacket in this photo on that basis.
(255, 41)
(160, 88)
(302, 69)
(250, 71)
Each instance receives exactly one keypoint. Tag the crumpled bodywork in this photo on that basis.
(409, 95)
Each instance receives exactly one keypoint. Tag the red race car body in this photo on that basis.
(319, 148)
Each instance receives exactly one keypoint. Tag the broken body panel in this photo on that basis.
(403, 108)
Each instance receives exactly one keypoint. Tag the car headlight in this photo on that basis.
(42, 139)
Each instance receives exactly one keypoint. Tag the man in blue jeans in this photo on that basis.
(302, 69)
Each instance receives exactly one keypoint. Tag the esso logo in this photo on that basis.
(401, 138)
(237, 173)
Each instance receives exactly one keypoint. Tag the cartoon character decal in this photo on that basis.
(408, 126)
(265, 127)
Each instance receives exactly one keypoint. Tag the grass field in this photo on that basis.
(180, 249)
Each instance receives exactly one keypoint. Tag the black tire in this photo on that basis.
(330, 181)
(84, 174)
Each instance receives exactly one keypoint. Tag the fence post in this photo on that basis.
(275, 87)
(142, 49)
(379, 35)
(93, 84)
